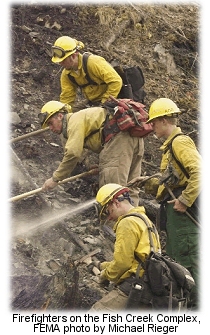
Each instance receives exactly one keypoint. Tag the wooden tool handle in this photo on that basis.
(27, 194)
(33, 133)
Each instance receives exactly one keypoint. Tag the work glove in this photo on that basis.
(150, 183)
(97, 264)
(137, 182)
(102, 280)
(49, 184)
(94, 167)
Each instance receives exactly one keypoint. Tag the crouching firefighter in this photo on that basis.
(132, 243)
(120, 158)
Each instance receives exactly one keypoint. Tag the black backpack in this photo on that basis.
(133, 82)
(167, 282)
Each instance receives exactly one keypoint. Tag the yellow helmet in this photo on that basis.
(49, 109)
(107, 193)
(63, 47)
(162, 107)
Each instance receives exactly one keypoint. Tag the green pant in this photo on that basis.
(183, 244)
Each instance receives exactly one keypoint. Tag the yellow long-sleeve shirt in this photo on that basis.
(131, 236)
(100, 71)
(186, 152)
(83, 131)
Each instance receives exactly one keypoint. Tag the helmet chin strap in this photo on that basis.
(64, 126)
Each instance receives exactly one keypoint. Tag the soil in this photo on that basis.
(163, 40)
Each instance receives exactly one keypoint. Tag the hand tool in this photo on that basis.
(140, 182)
(33, 133)
(186, 212)
(165, 180)
(27, 194)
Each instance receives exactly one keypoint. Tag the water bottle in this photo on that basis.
(134, 296)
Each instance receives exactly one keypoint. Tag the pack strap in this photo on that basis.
(169, 147)
(152, 248)
(196, 205)
(87, 77)
(150, 230)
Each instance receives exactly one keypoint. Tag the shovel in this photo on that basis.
(27, 194)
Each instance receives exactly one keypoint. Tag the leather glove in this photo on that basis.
(97, 264)
(137, 182)
(49, 184)
(102, 280)
(141, 180)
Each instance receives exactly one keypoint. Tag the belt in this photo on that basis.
(176, 191)
(126, 285)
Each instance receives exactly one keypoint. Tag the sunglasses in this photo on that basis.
(102, 212)
(60, 52)
(105, 212)
(44, 116)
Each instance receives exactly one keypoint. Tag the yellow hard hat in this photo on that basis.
(63, 47)
(107, 193)
(49, 109)
(162, 107)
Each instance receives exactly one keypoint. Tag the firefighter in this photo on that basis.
(180, 165)
(105, 81)
(132, 243)
(119, 159)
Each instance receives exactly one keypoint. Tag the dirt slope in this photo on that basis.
(162, 39)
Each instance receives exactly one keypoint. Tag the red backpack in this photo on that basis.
(125, 115)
